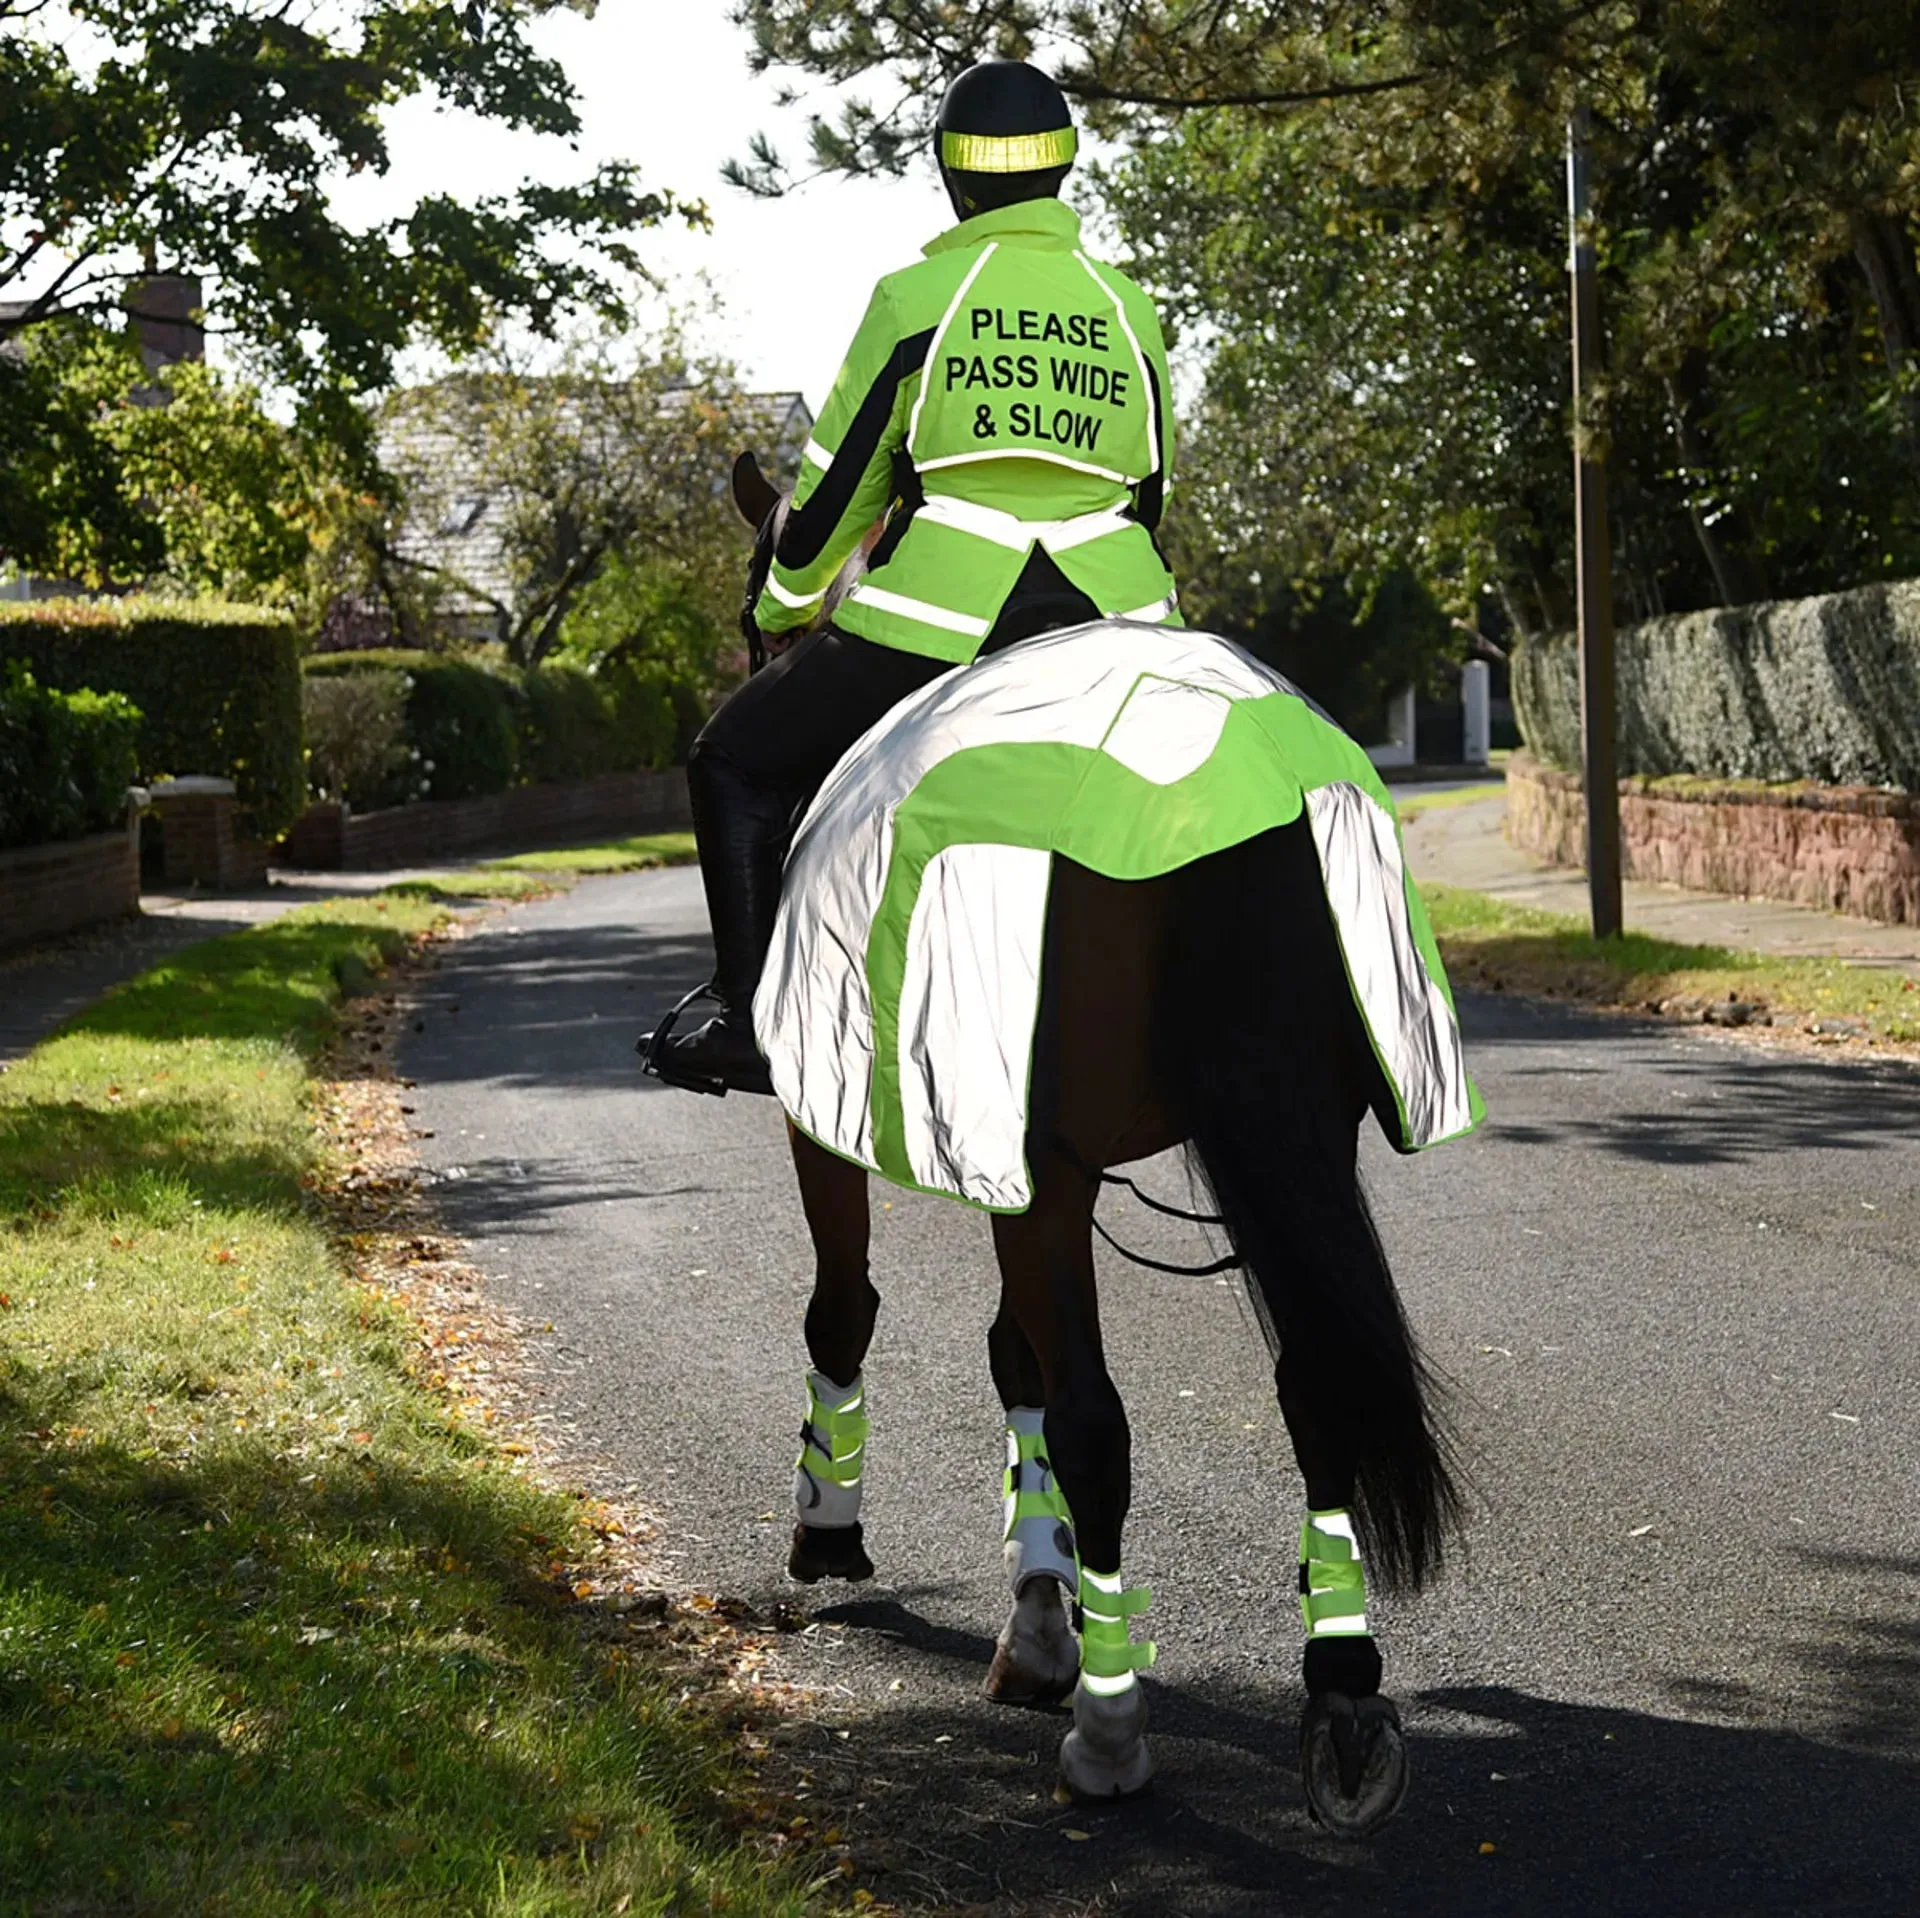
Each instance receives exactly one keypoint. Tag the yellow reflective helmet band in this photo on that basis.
(1009, 152)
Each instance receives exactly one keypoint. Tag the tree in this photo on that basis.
(206, 132)
(617, 453)
(176, 479)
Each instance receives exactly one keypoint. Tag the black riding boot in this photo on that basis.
(742, 830)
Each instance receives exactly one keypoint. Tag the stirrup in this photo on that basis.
(652, 1046)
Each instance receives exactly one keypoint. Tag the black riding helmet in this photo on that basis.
(1005, 135)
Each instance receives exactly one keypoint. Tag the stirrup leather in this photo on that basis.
(1333, 1586)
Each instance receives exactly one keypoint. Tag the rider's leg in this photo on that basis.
(829, 1474)
(1046, 1260)
(1036, 1658)
(762, 754)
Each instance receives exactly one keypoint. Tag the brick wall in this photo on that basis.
(326, 838)
(48, 890)
(1853, 849)
(201, 841)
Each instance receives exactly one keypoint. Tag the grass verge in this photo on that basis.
(634, 854)
(275, 1636)
(1488, 943)
(502, 883)
(1418, 802)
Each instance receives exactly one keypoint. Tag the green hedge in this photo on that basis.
(473, 728)
(577, 723)
(1825, 689)
(463, 720)
(218, 686)
(66, 760)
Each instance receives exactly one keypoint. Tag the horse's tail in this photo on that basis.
(1273, 1072)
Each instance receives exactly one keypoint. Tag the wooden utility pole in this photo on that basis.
(1593, 561)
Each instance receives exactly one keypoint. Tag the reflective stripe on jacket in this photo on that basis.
(1004, 392)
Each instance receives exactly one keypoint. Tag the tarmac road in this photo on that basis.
(1677, 1669)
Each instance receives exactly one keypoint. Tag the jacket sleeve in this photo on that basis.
(1151, 495)
(846, 472)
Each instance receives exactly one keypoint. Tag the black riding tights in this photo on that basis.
(786, 728)
(760, 758)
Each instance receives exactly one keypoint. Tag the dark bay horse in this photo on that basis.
(1212, 1008)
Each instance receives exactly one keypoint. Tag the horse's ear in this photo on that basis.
(754, 494)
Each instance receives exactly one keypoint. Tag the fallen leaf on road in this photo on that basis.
(1072, 1832)
(1487, 1848)
(1640, 1531)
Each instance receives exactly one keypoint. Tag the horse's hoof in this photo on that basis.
(1037, 1657)
(1106, 1755)
(828, 1551)
(1353, 1762)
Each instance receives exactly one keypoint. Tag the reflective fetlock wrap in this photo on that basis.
(1108, 1656)
(1039, 1534)
(1341, 1655)
(1333, 1588)
(833, 1445)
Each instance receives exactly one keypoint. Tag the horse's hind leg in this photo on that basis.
(1037, 1657)
(1046, 1265)
(827, 1476)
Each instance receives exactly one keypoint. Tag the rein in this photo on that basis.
(1099, 1177)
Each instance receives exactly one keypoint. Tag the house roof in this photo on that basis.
(459, 525)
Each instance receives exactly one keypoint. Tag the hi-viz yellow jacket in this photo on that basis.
(1002, 392)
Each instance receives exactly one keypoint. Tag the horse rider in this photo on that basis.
(1005, 409)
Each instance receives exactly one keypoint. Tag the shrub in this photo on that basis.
(1826, 689)
(463, 719)
(656, 713)
(567, 725)
(580, 721)
(66, 760)
(217, 686)
(357, 739)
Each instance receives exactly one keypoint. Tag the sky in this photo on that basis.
(667, 87)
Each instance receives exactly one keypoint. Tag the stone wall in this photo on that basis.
(48, 890)
(1853, 849)
(329, 838)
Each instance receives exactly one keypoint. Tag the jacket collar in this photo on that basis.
(1048, 224)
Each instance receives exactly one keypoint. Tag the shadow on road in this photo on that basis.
(566, 1009)
(1589, 1810)
(1728, 1106)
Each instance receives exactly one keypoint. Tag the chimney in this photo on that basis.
(163, 306)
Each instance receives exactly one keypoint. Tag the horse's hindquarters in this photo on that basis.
(1094, 1083)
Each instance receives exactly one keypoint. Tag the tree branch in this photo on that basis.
(1279, 97)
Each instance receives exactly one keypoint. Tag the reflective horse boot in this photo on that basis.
(1353, 1760)
(826, 1484)
(1106, 1755)
(1036, 1658)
